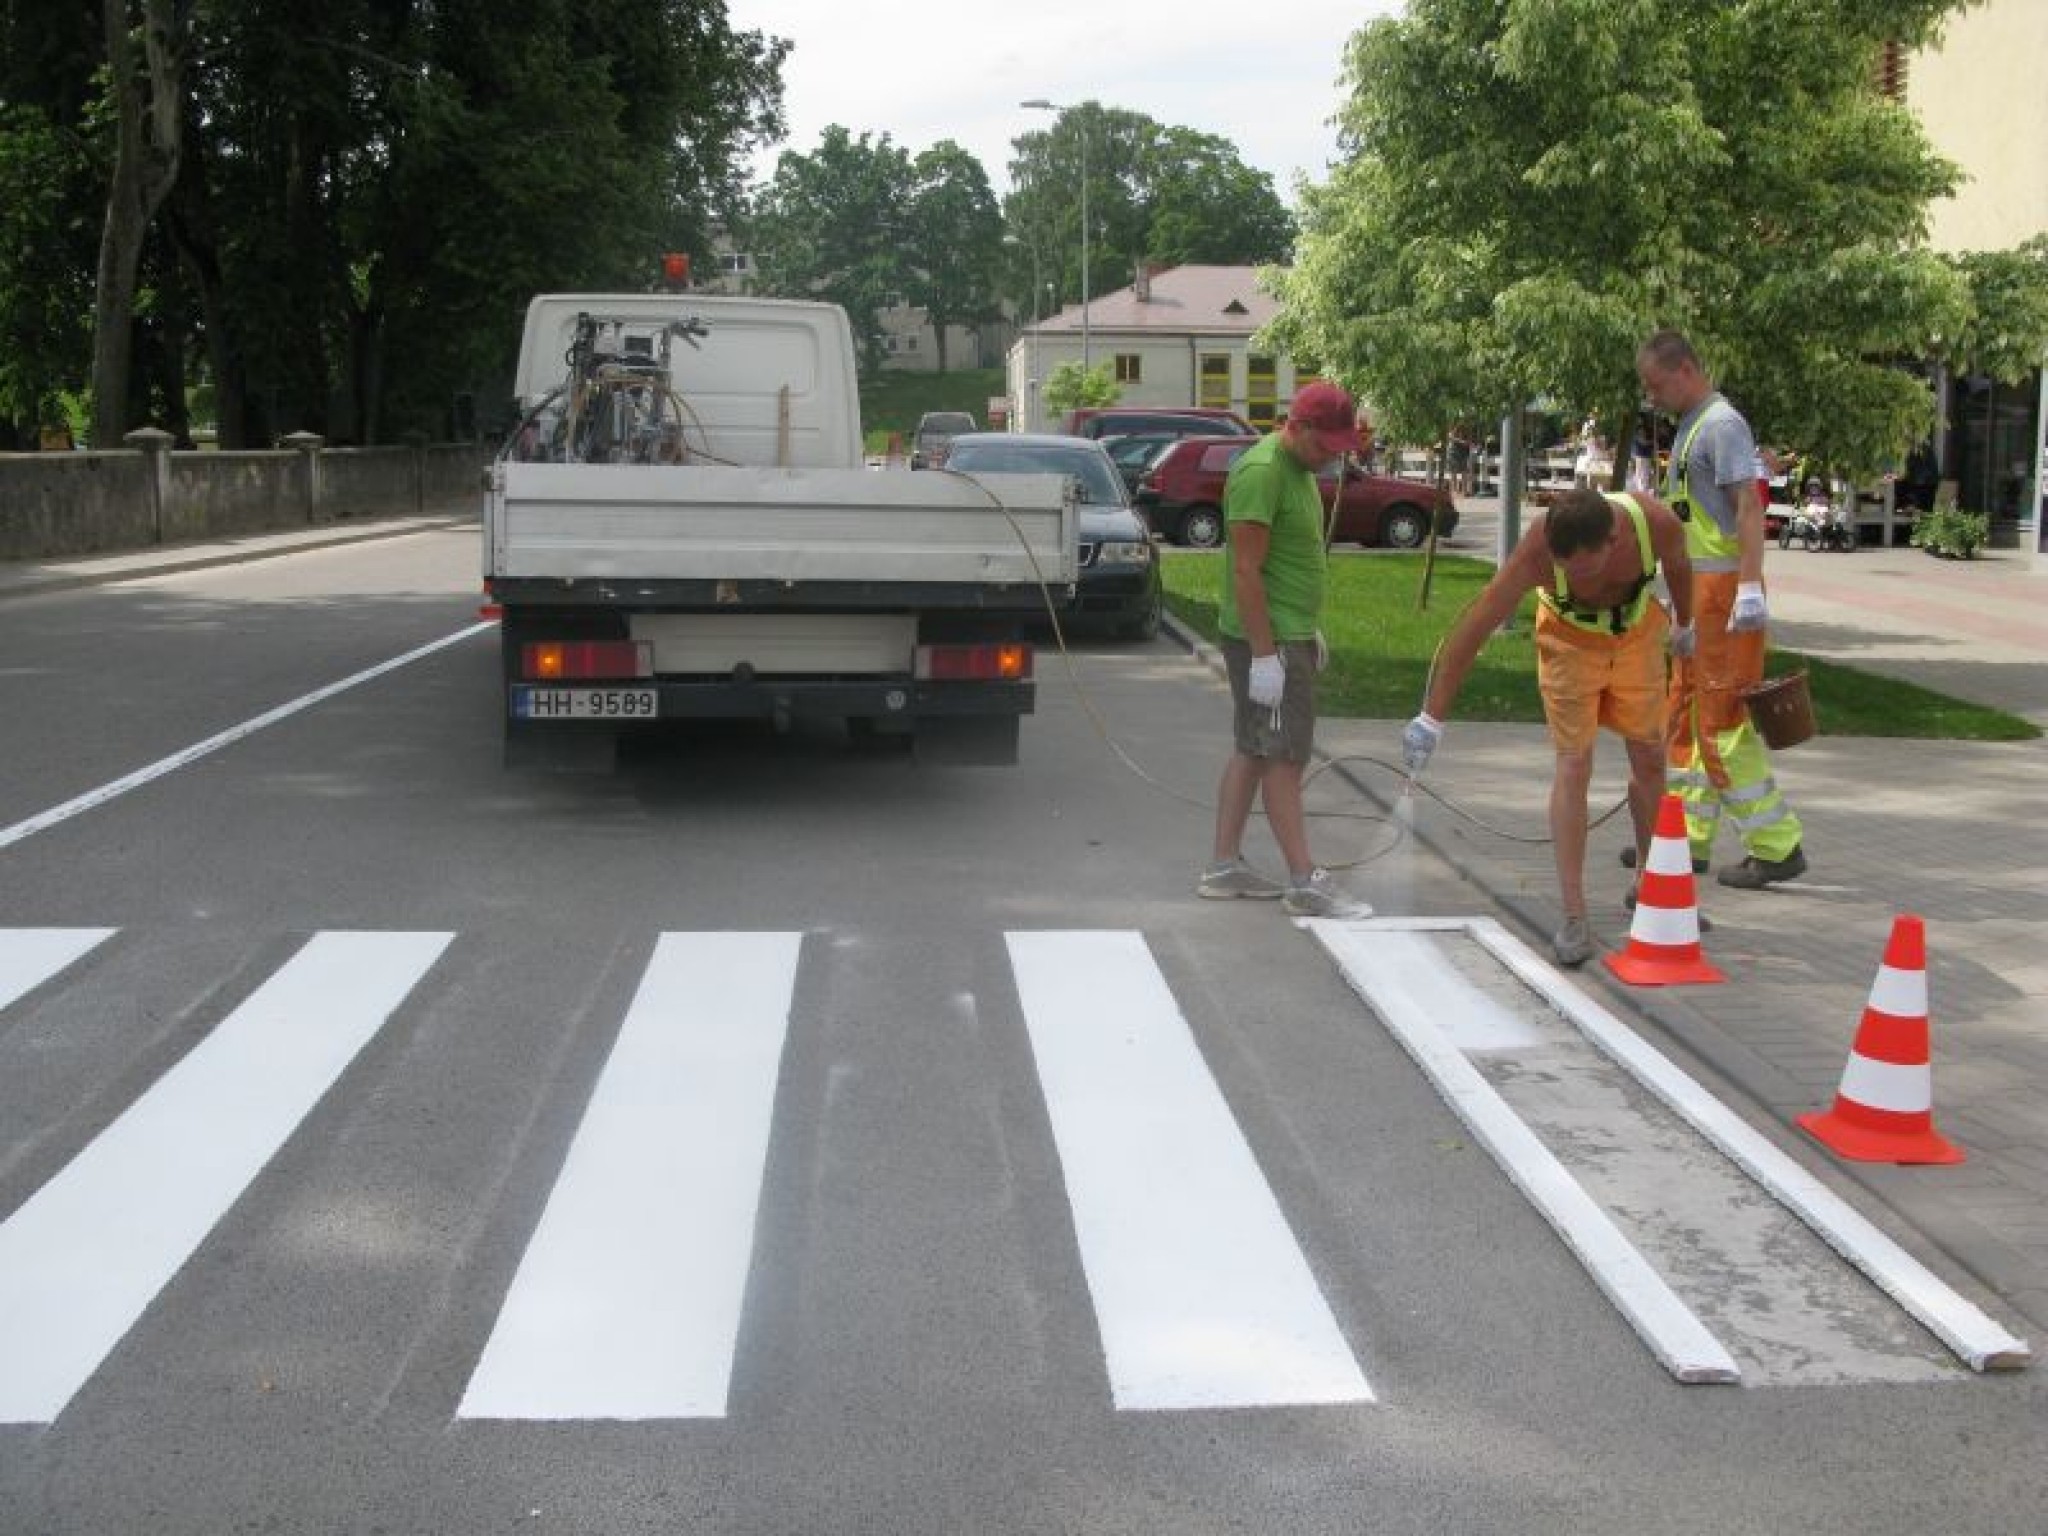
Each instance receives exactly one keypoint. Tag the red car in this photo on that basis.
(1181, 496)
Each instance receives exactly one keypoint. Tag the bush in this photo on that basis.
(1950, 533)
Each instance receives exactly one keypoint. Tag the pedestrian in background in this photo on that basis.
(1270, 617)
(1601, 639)
(1719, 766)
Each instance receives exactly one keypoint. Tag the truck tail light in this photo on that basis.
(552, 661)
(1007, 662)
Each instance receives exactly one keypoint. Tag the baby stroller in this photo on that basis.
(1818, 523)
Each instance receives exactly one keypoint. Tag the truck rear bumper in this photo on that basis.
(889, 702)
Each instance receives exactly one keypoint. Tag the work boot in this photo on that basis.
(1628, 861)
(1573, 943)
(1753, 873)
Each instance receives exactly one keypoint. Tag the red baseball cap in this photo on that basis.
(1331, 412)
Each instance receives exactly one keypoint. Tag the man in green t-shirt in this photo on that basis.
(1270, 617)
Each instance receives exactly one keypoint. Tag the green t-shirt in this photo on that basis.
(1267, 485)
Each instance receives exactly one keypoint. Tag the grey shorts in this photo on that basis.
(1292, 738)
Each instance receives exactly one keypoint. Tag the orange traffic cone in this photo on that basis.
(1664, 934)
(1884, 1110)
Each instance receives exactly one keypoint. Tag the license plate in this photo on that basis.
(585, 703)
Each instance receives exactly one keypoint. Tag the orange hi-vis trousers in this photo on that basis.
(1717, 763)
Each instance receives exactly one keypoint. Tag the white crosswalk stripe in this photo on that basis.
(31, 956)
(82, 1258)
(627, 1304)
(1203, 1296)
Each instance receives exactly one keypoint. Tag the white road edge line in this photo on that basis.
(1974, 1336)
(1202, 1295)
(1674, 1334)
(85, 1255)
(93, 798)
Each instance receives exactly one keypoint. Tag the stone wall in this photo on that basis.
(64, 504)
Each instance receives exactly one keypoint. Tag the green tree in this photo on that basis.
(1154, 194)
(1528, 190)
(1071, 385)
(956, 239)
(2006, 335)
(835, 225)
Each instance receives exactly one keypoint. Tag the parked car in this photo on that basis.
(1133, 455)
(1119, 585)
(1123, 420)
(935, 430)
(1182, 496)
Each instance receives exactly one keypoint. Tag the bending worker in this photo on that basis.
(1600, 645)
(1718, 764)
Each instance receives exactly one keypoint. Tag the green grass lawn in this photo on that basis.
(1381, 644)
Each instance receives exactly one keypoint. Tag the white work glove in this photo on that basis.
(1322, 652)
(1749, 611)
(1268, 681)
(1419, 739)
(1684, 641)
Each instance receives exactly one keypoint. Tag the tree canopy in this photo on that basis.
(362, 197)
(1530, 189)
(1155, 193)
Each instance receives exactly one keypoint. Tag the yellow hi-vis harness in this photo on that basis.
(1622, 615)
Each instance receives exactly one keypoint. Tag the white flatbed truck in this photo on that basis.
(683, 527)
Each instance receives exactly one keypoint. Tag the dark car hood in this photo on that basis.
(1100, 522)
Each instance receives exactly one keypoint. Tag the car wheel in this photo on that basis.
(1405, 527)
(1144, 627)
(1202, 528)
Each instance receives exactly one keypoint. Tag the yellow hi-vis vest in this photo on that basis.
(1704, 538)
(1622, 615)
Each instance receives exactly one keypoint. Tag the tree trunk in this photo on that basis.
(148, 119)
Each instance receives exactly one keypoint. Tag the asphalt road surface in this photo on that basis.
(768, 1137)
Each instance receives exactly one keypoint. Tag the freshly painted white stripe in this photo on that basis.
(82, 1258)
(1665, 925)
(1674, 1334)
(31, 956)
(92, 798)
(1975, 1337)
(627, 1302)
(1406, 966)
(1886, 1085)
(1202, 1296)
(1902, 994)
(1669, 856)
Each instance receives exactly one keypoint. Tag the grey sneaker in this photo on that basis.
(1753, 873)
(1234, 877)
(1320, 896)
(1573, 943)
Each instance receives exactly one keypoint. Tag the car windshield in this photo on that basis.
(1100, 484)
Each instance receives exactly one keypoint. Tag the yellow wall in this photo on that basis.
(1983, 97)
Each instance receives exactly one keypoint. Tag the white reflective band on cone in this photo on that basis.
(1671, 857)
(1665, 925)
(1881, 1085)
(1902, 994)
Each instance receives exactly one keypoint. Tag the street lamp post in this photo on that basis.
(1041, 105)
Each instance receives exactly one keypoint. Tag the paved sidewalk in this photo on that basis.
(1952, 831)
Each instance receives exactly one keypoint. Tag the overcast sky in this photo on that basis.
(1265, 80)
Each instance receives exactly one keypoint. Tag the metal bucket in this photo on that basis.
(1781, 709)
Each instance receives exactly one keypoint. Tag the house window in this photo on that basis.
(733, 263)
(910, 343)
(1129, 369)
(1215, 381)
(1261, 391)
